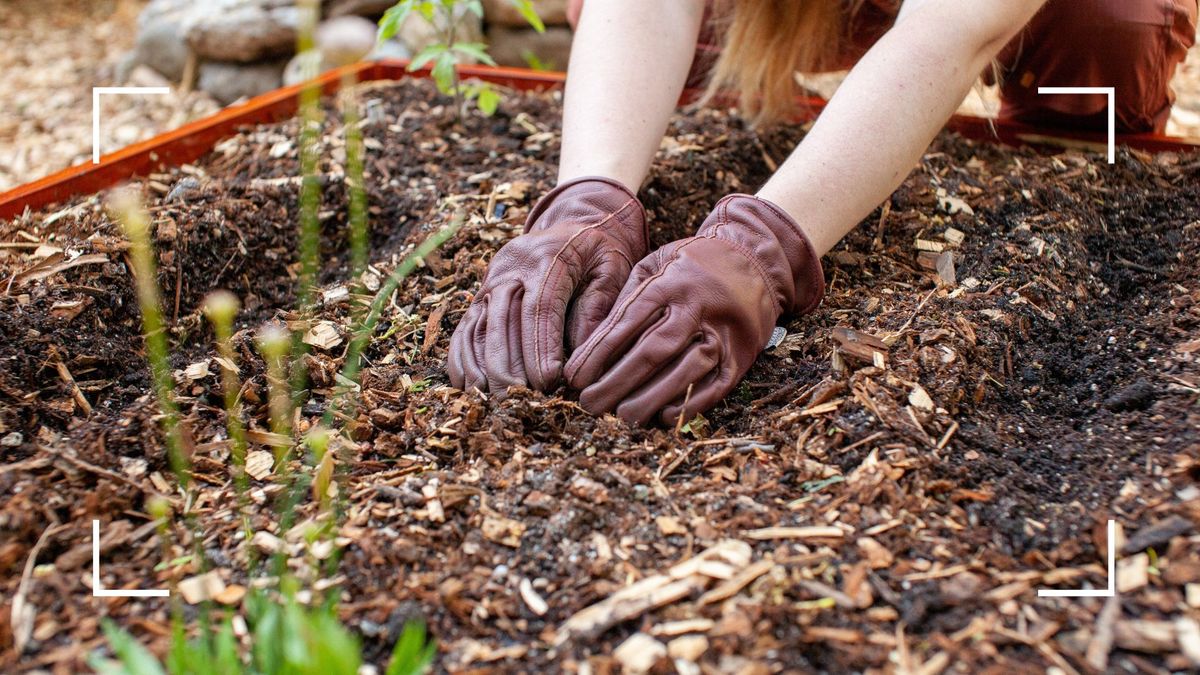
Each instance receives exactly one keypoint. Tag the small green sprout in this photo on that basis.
(443, 57)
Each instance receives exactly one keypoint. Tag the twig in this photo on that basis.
(946, 436)
(22, 627)
(65, 375)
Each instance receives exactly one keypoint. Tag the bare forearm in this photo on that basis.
(884, 116)
(628, 65)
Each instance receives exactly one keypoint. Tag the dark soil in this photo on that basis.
(1061, 367)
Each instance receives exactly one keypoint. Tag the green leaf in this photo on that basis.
(475, 50)
(488, 101)
(525, 8)
(443, 72)
(392, 19)
(135, 658)
(412, 654)
(475, 7)
(426, 55)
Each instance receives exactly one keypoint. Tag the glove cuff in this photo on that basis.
(776, 244)
(589, 201)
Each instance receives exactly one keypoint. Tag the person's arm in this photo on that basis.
(629, 62)
(888, 109)
(695, 314)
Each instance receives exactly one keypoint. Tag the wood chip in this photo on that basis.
(503, 530)
(729, 588)
(689, 647)
(259, 464)
(809, 532)
(919, 399)
(202, 587)
(639, 653)
(859, 345)
(533, 601)
(670, 525)
(324, 335)
(1133, 573)
(673, 628)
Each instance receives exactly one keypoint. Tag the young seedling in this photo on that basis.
(275, 345)
(444, 56)
(126, 208)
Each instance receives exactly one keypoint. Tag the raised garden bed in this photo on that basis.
(897, 510)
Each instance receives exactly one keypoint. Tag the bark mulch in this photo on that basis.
(1007, 358)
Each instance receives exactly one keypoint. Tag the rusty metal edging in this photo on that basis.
(193, 140)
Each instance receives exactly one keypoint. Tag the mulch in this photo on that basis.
(1008, 357)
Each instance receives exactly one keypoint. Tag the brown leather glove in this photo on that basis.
(581, 241)
(697, 312)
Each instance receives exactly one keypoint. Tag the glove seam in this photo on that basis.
(538, 332)
(614, 319)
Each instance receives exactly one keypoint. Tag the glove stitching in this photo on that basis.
(559, 270)
(604, 330)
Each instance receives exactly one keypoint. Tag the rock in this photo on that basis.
(345, 39)
(368, 8)
(340, 42)
(300, 67)
(160, 43)
(244, 30)
(416, 33)
(639, 653)
(228, 82)
(502, 13)
(509, 46)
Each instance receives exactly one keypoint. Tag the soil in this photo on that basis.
(1050, 383)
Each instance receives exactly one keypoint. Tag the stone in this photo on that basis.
(345, 39)
(368, 8)
(511, 46)
(502, 13)
(160, 42)
(228, 82)
(244, 30)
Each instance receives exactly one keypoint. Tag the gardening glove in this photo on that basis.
(696, 313)
(562, 275)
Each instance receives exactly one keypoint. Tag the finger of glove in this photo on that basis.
(705, 394)
(629, 319)
(669, 386)
(464, 365)
(658, 347)
(543, 314)
(502, 340)
(595, 300)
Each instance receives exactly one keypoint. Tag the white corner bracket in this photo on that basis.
(1111, 92)
(96, 92)
(98, 591)
(1093, 593)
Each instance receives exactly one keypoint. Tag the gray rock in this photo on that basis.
(228, 82)
(160, 42)
(368, 8)
(510, 45)
(244, 30)
(345, 39)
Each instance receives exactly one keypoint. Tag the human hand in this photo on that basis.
(562, 275)
(695, 314)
